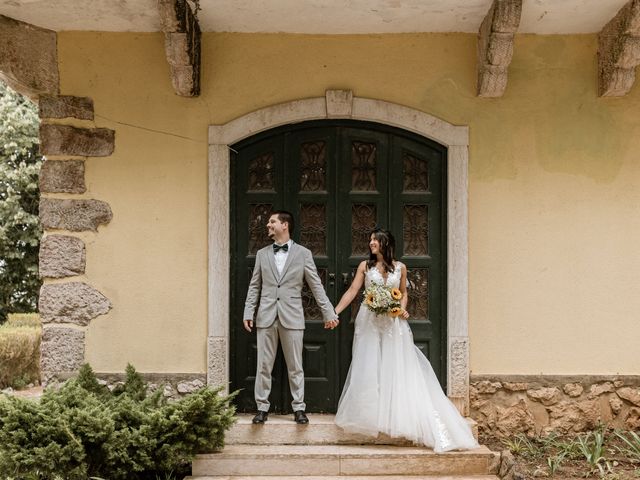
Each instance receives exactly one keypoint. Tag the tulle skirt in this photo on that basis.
(391, 388)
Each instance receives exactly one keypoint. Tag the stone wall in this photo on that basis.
(67, 307)
(533, 404)
(173, 385)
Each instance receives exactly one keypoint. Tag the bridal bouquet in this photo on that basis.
(383, 300)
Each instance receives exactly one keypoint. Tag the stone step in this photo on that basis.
(359, 477)
(341, 460)
(322, 430)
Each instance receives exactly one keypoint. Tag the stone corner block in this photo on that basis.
(62, 176)
(66, 106)
(217, 362)
(61, 256)
(61, 351)
(339, 103)
(73, 302)
(68, 140)
(74, 215)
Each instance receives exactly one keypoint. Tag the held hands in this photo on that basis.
(331, 324)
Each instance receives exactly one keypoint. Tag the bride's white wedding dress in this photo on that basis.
(391, 387)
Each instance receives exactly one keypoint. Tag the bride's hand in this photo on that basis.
(404, 314)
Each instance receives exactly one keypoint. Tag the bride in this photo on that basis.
(391, 387)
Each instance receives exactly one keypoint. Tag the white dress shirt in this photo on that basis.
(281, 257)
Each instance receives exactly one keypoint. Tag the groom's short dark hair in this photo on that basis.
(287, 217)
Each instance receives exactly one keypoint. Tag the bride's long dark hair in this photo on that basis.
(387, 249)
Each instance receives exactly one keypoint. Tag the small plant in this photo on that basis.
(592, 447)
(569, 447)
(631, 446)
(522, 445)
(554, 462)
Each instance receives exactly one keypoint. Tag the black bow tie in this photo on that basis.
(277, 248)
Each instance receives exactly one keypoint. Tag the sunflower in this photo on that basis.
(396, 293)
(395, 311)
(369, 298)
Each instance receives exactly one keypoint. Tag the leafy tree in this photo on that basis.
(20, 229)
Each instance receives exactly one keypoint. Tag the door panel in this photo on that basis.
(339, 179)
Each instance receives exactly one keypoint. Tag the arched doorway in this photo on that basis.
(339, 104)
(340, 178)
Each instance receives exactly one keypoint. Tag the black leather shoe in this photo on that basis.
(300, 417)
(261, 417)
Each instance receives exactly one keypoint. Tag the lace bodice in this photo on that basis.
(393, 278)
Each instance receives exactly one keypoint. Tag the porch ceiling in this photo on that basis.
(315, 16)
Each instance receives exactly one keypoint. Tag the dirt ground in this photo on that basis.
(33, 392)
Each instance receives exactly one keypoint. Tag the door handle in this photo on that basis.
(345, 279)
(332, 279)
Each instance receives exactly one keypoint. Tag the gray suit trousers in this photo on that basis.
(291, 341)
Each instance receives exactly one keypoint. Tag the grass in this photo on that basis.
(601, 453)
(20, 351)
(630, 445)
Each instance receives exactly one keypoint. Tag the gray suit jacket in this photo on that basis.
(281, 295)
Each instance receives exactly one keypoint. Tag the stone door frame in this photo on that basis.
(342, 104)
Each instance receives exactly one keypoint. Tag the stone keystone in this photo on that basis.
(74, 215)
(61, 256)
(68, 140)
(62, 176)
(73, 302)
(65, 106)
(339, 103)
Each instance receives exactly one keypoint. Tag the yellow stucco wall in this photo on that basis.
(554, 190)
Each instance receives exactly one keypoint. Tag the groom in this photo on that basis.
(276, 285)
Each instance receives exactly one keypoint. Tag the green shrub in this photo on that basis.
(19, 355)
(83, 430)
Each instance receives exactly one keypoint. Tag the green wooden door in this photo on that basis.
(339, 179)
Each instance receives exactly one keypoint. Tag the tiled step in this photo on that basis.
(341, 460)
(322, 430)
(367, 477)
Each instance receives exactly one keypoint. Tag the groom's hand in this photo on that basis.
(248, 325)
(331, 324)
